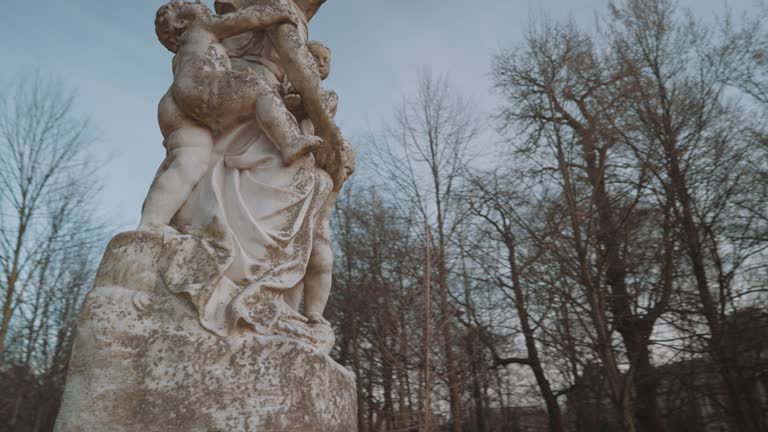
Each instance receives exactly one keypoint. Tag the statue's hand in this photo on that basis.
(331, 102)
(329, 155)
(294, 104)
(331, 161)
(330, 134)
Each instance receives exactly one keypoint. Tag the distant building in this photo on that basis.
(691, 394)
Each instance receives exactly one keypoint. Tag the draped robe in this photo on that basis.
(249, 223)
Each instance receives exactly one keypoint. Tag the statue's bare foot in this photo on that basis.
(300, 146)
(141, 301)
(316, 318)
(163, 229)
(263, 312)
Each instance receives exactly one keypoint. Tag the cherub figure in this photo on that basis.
(207, 95)
(322, 55)
(316, 285)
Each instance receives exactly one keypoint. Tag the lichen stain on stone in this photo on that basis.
(161, 371)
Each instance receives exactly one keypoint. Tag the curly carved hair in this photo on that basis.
(314, 46)
(166, 26)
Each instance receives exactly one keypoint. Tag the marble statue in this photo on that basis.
(195, 321)
(207, 95)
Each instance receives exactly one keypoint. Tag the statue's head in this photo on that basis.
(322, 55)
(173, 19)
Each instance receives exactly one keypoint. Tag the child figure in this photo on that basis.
(207, 95)
(316, 285)
(322, 56)
(319, 276)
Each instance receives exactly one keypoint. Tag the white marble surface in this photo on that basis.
(194, 323)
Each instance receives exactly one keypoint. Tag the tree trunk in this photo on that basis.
(445, 327)
(553, 408)
(477, 391)
(387, 383)
(619, 391)
(735, 387)
(13, 277)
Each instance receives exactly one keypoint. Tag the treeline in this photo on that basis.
(50, 245)
(595, 251)
(604, 268)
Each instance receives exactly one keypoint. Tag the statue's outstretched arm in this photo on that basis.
(308, 7)
(262, 15)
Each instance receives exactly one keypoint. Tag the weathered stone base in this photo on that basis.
(158, 370)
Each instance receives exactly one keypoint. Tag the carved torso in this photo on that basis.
(255, 51)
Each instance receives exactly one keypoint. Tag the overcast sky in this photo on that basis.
(108, 52)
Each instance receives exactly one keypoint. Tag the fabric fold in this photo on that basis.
(246, 228)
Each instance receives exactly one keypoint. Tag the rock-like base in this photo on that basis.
(142, 362)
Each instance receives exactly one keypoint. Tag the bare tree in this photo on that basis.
(377, 306)
(692, 142)
(49, 239)
(498, 205)
(568, 94)
(424, 152)
(634, 129)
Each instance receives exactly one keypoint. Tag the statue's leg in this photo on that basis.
(282, 129)
(318, 280)
(237, 94)
(190, 153)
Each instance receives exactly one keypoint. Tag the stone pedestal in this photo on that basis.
(143, 363)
